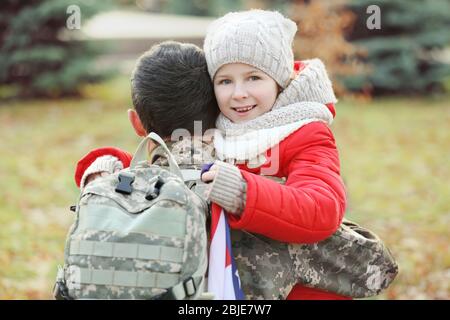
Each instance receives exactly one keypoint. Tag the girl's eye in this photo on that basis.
(225, 81)
(254, 78)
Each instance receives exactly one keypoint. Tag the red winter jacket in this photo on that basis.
(307, 209)
(310, 206)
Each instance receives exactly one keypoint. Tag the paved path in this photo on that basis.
(141, 25)
(130, 33)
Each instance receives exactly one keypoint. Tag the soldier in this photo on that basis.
(171, 90)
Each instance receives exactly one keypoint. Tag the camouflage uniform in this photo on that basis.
(353, 262)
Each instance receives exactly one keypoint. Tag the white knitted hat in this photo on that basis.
(262, 39)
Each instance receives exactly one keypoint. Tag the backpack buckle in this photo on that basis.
(125, 182)
(189, 287)
(60, 290)
(154, 193)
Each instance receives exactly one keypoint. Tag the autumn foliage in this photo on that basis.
(322, 27)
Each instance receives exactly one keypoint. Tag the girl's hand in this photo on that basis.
(101, 167)
(96, 175)
(210, 175)
(228, 188)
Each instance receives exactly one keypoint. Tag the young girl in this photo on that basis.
(270, 126)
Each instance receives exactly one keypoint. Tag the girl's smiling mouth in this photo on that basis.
(243, 110)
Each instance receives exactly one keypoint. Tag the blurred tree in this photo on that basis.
(279, 5)
(322, 26)
(200, 7)
(404, 51)
(195, 8)
(34, 56)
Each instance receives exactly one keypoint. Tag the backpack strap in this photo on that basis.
(60, 291)
(190, 174)
(141, 153)
(126, 278)
(126, 250)
(182, 290)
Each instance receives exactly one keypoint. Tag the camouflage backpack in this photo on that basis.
(138, 234)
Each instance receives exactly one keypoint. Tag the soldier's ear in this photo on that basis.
(136, 123)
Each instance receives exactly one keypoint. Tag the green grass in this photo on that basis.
(394, 155)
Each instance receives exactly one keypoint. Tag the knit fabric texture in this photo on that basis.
(107, 163)
(228, 189)
(311, 84)
(259, 38)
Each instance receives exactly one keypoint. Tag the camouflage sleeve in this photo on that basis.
(353, 262)
(265, 266)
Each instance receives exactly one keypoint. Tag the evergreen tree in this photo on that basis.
(35, 57)
(403, 52)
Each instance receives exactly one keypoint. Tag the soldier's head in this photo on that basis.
(170, 89)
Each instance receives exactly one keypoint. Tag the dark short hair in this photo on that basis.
(171, 88)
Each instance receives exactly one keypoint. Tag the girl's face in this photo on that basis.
(244, 92)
